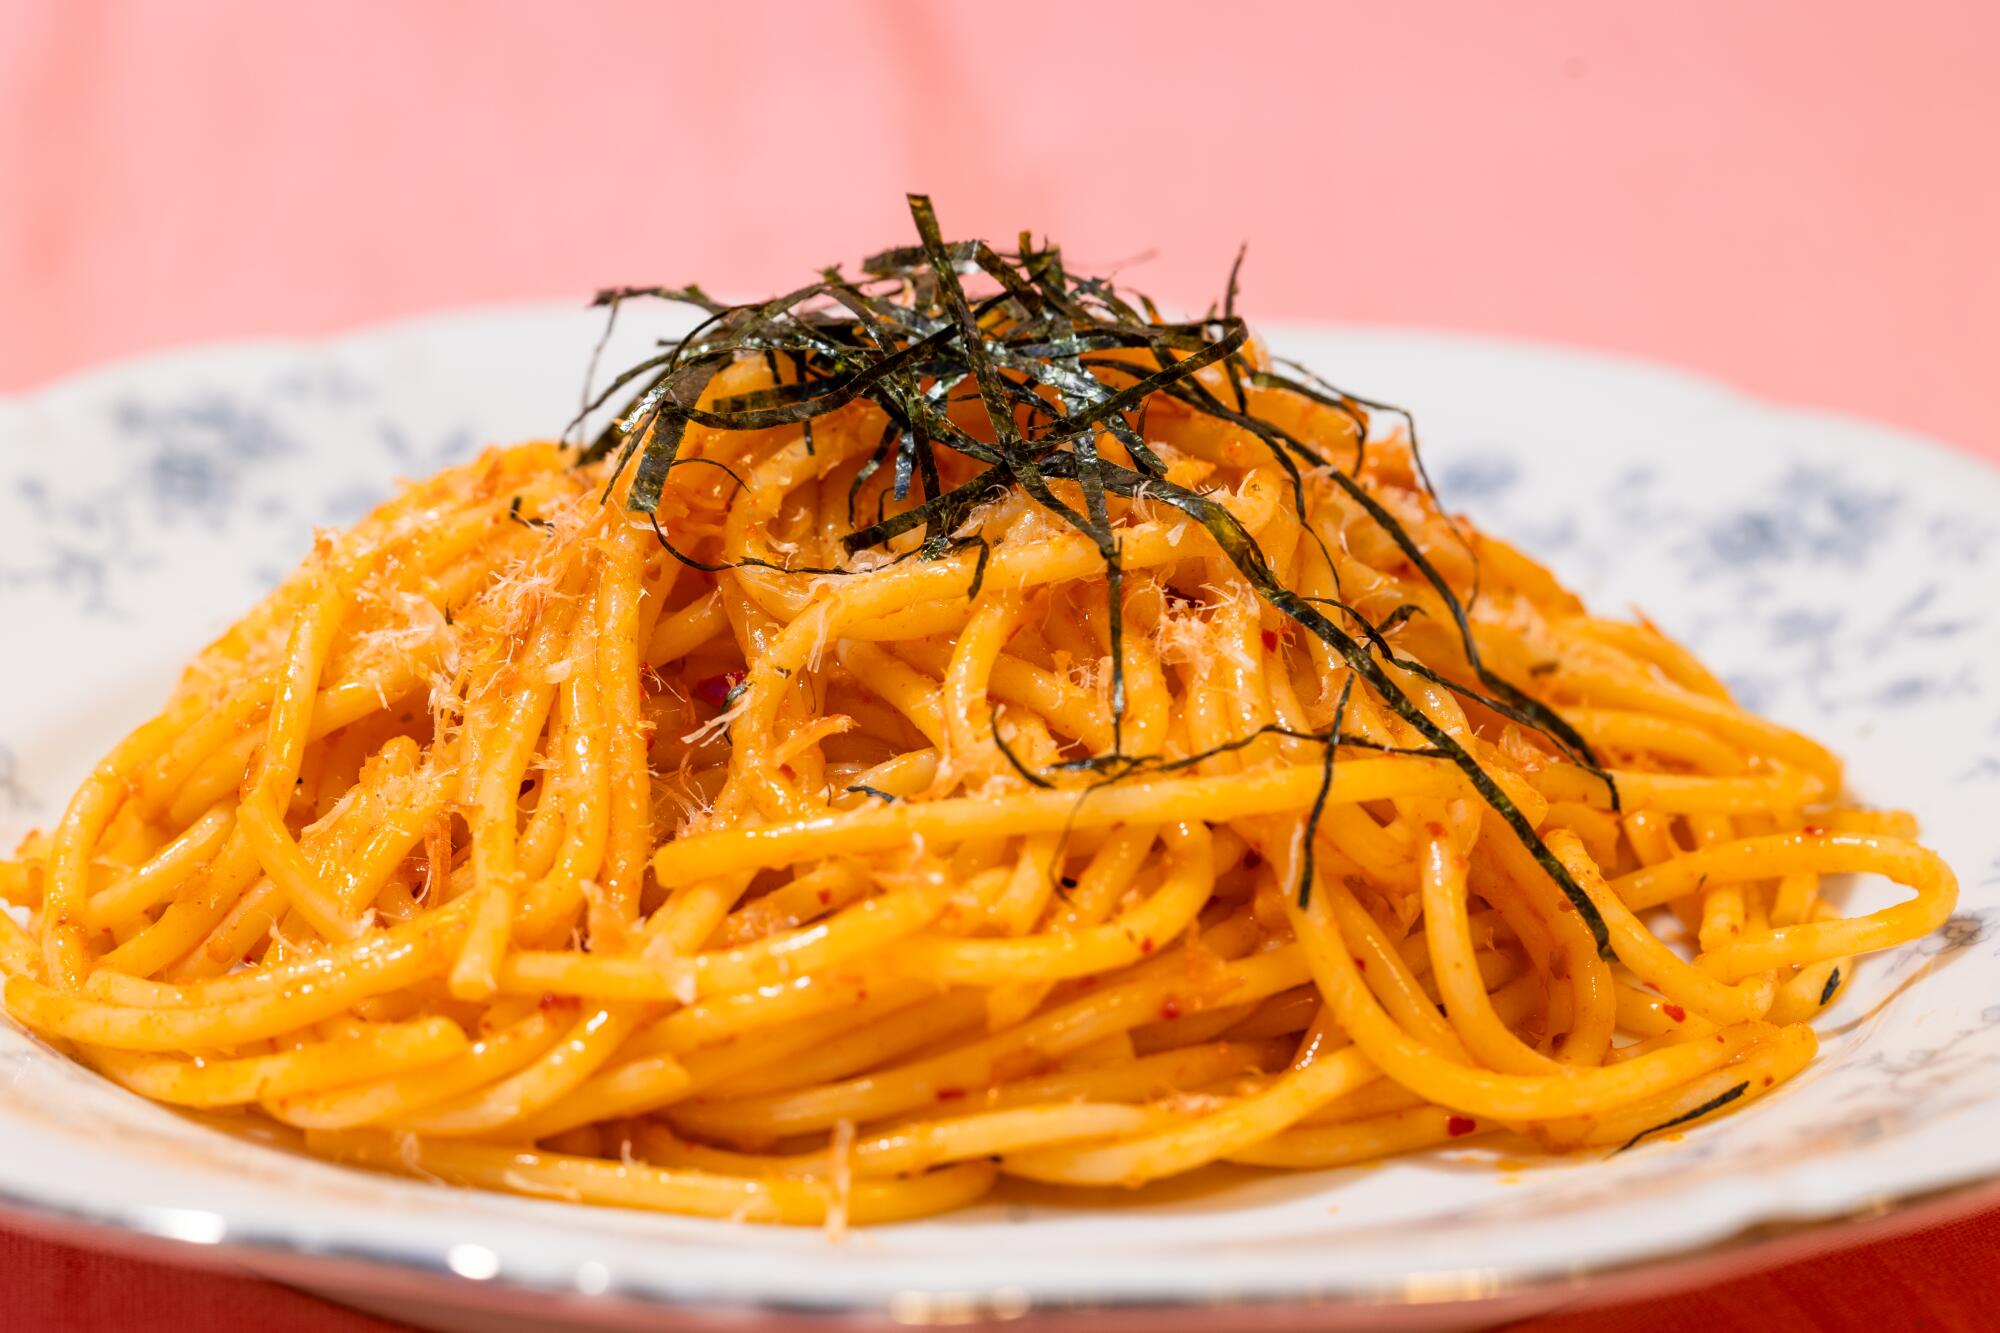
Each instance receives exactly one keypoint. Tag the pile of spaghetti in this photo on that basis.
(953, 726)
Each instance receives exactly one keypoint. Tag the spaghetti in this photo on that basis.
(1141, 789)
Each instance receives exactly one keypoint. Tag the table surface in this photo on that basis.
(1789, 196)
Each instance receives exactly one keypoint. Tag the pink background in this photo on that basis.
(1798, 197)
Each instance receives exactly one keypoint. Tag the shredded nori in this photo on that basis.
(1014, 761)
(1325, 786)
(1686, 1117)
(1832, 985)
(1035, 353)
(514, 513)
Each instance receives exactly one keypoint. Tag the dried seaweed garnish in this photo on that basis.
(1832, 985)
(1397, 618)
(1095, 522)
(1123, 766)
(864, 789)
(514, 513)
(1029, 775)
(1325, 786)
(1342, 400)
(1517, 705)
(985, 549)
(1706, 1108)
(1243, 551)
(1055, 360)
(590, 368)
(1232, 367)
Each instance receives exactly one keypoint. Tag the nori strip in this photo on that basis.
(906, 337)
(1325, 786)
(1248, 558)
(1033, 778)
(514, 513)
(1685, 1117)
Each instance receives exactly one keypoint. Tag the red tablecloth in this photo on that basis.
(1942, 1280)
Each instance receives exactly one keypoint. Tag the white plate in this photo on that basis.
(1840, 574)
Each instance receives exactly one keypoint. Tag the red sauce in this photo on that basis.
(1675, 1012)
(1459, 1126)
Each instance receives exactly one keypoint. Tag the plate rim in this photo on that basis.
(1751, 1248)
